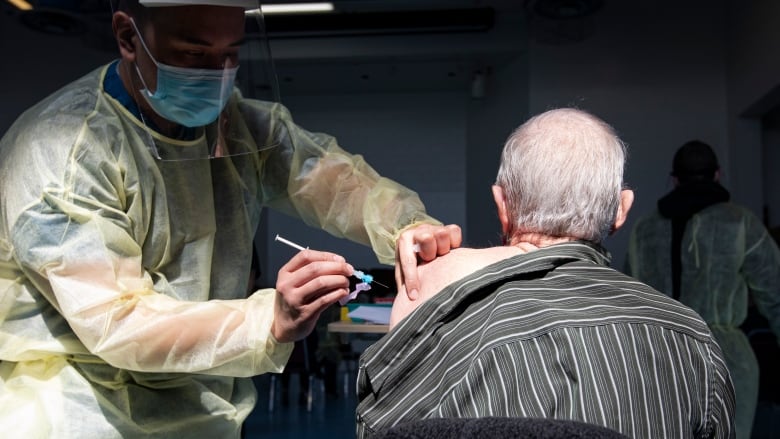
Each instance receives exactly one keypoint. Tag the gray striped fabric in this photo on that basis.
(554, 333)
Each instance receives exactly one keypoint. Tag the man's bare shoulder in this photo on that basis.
(445, 270)
(457, 264)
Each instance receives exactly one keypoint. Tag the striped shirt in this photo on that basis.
(554, 333)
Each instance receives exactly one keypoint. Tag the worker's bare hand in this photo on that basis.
(433, 241)
(310, 282)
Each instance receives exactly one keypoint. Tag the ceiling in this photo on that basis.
(366, 45)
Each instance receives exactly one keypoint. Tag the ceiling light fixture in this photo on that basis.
(293, 8)
(21, 4)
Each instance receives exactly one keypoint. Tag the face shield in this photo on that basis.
(193, 67)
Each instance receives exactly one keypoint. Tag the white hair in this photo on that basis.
(562, 174)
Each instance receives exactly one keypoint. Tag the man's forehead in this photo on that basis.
(208, 24)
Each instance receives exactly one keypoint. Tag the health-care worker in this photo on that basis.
(712, 255)
(129, 202)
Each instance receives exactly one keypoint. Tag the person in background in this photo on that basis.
(128, 204)
(542, 327)
(714, 256)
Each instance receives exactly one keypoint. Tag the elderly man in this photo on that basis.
(542, 327)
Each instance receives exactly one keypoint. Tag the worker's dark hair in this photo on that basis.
(695, 161)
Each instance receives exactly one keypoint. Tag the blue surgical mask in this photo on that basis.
(187, 96)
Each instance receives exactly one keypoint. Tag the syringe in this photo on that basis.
(366, 278)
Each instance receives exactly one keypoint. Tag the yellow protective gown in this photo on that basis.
(726, 254)
(123, 308)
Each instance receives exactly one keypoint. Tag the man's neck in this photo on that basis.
(527, 241)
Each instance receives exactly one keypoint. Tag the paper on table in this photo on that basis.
(373, 314)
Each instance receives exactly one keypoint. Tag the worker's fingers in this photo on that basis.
(305, 257)
(294, 318)
(307, 284)
(320, 286)
(319, 304)
(431, 240)
(311, 271)
(422, 243)
(455, 234)
(406, 266)
(410, 279)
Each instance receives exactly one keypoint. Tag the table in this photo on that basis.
(352, 327)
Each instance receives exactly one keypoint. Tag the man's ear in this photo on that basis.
(626, 201)
(124, 33)
(500, 199)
